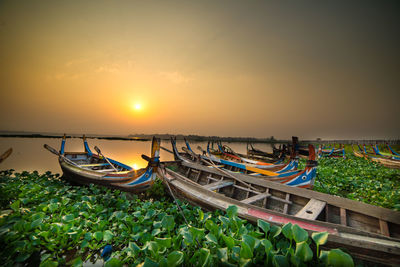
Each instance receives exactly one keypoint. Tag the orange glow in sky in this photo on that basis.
(257, 69)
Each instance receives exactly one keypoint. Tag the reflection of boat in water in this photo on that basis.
(368, 232)
(5, 155)
(89, 168)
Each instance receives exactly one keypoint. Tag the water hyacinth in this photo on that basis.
(53, 223)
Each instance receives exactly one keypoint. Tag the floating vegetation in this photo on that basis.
(359, 179)
(50, 222)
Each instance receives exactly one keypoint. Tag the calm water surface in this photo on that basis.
(30, 155)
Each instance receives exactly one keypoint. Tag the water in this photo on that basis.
(30, 155)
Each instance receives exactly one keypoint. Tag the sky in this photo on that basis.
(315, 69)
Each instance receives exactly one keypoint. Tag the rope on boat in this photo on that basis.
(230, 175)
(176, 201)
(211, 163)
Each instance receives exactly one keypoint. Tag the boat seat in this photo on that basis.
(255, 198)
(311, 210)
(217, 185)
(95, 164)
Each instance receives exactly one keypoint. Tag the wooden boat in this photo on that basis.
(383, 154)
(89, 168)
(223, 153)
(258, 154)
(332, 152)
(226, 152)
(392, 151)
(283, 169)
(390, 163)
(5, 155)
(299, 178)
(368, 232)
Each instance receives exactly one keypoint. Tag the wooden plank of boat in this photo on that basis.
(218, 185)
(364, 235)
(312, 210)
(255, 198)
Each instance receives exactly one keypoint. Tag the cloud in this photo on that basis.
(110, 68)
(175, 77)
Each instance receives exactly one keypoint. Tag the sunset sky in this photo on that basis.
(328, 69)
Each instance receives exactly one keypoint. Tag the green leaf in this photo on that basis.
(203, 257)
(245, 251)
(251, 241)
(201, 215)
(164, 242)
(337, 258)
(107, 235)
(168, 222)
(134, 247)
(324, 256)
(198, 233)
(320, 238)
(48, 263)
(175, 258)
(113, 262)
(287, 231)
(299, 234)
(77, 262)
(211, 238)
(22, 257)
(267, 245)
(280, 261)
(155, 232)
(149, 263)
(152, 247)
(53, 207)
(36, 223)
(15, 205)
(222, 254)
(229, 241)
(303, 251)
(232, 211)
(263, 225)
(88, 236)
(98, 236)
(68, 218)
(275, 231)
(84, 244)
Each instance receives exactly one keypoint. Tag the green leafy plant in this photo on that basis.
(54, 223)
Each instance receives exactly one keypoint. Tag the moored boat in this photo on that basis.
(387, 162)
(332, 152)
(299, 178)
(89, 168)
(368, 232)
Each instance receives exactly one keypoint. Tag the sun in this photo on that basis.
(137, 106)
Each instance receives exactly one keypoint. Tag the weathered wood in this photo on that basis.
(358, 206)
(198, 176)
(343, 216)
(375, 246)
(311, 211)
(218, 185)
(255, 198)
(286, 205)
(384, 228)
(265, 199)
